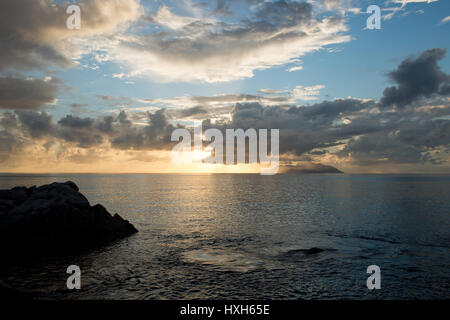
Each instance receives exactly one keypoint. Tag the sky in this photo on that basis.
(107, 97)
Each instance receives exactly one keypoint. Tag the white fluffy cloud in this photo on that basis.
(206, 50)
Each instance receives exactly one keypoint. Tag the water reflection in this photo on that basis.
(243, 236)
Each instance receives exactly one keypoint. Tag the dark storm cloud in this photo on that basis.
(80, 131)
(155, 135)
(303, 128)
(24, 46)
(33, 33)
(117, 130)
(41, 126)
(105, 124)
(76, 122)
(365, 134)
(316, 116)
(36, 124)
(81, 137)
(412, 143)
(417, 78)
(27, 94)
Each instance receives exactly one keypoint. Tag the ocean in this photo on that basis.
(241, 236)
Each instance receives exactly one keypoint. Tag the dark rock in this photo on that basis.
(313, 251)
(54, 218)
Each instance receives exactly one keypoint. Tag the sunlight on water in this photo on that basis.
(246, 236)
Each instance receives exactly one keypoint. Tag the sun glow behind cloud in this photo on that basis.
(105, 161)
(246, 64)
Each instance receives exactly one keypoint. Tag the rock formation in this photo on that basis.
(54, 218)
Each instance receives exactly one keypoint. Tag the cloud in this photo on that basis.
(417, 78)
(271, 91)
(405, 2)
(9, 144)
(445, 20)
(303, 128)
(413, 142)
(36, 124)
(163, 45)
(296, 68)
(211, 50)
(183, 106)
(34, 35)
(27, 94)
(333, 5)
(352, 132)
(344, 133)
(165, 17)
(194, 111)
(70, 121)
(114, 131)
(155, 135)
(392, 12)
(307, 93)
(355, 10)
